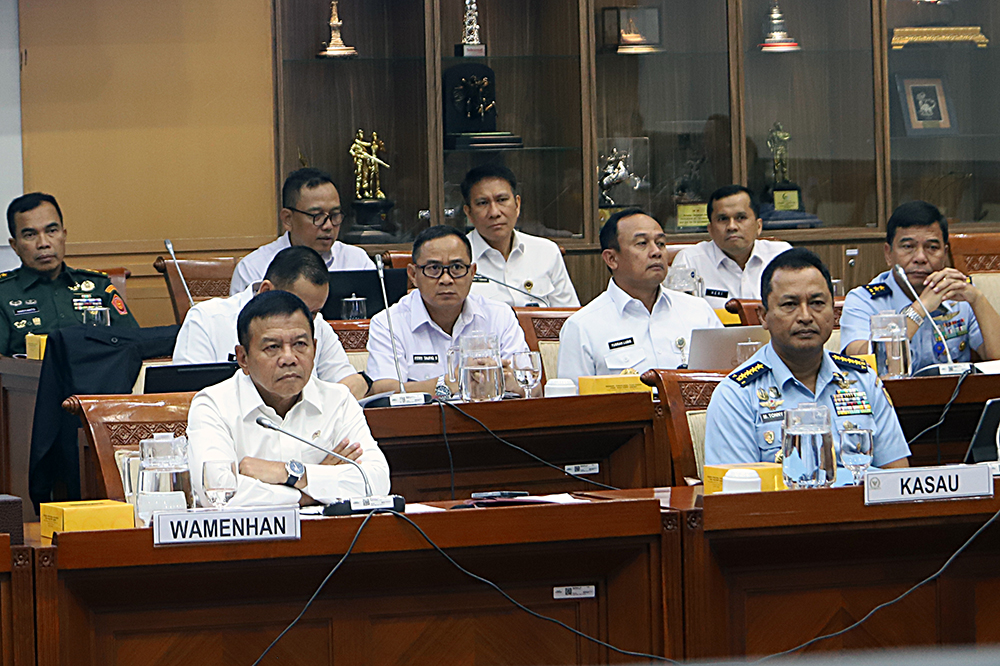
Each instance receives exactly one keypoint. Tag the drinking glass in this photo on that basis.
(97, 317)
(744, 350)
(527, 368)
(856, 451)
(890, 345)
(219, 480)
(355, 307)
(808, 458)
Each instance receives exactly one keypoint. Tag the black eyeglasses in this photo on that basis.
(435, 271)
(335, 216)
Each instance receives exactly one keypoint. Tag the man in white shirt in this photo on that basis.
(636, 324)
(275, 380)
(208, 334)
(527, 263)
(734, 260)
(311, 215)
(435, 315)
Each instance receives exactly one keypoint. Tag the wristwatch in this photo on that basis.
(441, 390)
(296, 471)
(910, 313)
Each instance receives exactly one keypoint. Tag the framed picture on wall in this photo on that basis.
(927, 109)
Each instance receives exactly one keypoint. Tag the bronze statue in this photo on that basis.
(777, 143)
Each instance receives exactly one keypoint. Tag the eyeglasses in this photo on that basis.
(335, 216)
(435, 271)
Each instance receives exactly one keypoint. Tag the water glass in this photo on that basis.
(808, 458)
(890, 345)
(527, 367)
(744, 350)
(856, 451)
(97, 317)
(355, 307)
(219, 479)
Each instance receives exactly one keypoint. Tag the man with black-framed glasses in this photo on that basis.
(311, 215)
(435, 315)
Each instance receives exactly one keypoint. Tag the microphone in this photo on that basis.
(950, 368)
(401, 398)
(170, 249)
(344, 507)
(510, 286)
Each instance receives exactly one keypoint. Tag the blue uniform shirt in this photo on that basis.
(748, 408)
(955, 319)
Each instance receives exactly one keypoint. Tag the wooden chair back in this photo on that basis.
(206, 278)
(751, 311)
(399, 259)
(541, 328)
(115, 422)
(353, 336)
(975, 253)
(672, 250)
(118, 275)
(683, 397)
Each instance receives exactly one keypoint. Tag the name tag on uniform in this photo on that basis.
(480, 278)
(717, 293)
(618, 344)
(425, 358)
(771, 417)
(24, 311)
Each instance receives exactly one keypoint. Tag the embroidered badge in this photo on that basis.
(878, 290)
(618, 344)
(119, 305)
(87, 285)
(31, 301)
(746, 375)
(20, 323)
(14, 304)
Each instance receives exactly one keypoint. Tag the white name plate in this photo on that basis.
(585, 468)
(918, 484)
(574, 592)
(171, 528)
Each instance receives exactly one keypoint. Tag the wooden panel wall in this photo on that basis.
(150, 121)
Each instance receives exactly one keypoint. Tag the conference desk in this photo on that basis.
(765, 572)
(112, 597)
(615, 432)
(18, 386)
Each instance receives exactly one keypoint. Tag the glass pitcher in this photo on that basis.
(890, 345)
(808, 459)
(157, 477)
(686, 280)
(475, 364)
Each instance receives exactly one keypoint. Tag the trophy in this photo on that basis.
(470, 110)
(785, 194)
(777, 39)
(470, 46)
(336, 47)
(622, 179)
(631, 30)
(370, 205)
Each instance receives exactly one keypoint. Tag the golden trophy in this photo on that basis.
(370, 204)
(336, 47)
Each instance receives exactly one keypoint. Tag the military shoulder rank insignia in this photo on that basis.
(8, 275)
(850, 362)
(110, 289)
(878, 290)
(746, 375)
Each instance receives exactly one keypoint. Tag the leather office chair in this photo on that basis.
(541, 328)
(206, 278)
(119, 422)
(353, 336)
(683, 401)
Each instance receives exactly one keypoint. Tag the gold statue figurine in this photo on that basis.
(777, 143)
(367, 182)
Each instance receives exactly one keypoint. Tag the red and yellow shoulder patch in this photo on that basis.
(119, 305)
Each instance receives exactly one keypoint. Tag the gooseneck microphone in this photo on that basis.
(510, 286)
(401, 398)
(369, 502)
(170, 249)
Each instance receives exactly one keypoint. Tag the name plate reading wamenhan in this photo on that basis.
(919, 484)
(173, 528)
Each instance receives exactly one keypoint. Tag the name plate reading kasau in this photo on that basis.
(173, 528)
(919, 484)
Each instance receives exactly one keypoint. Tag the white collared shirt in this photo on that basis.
(535, 264)
(615, 332)
(208, 335)
(423, 346)
(724, 279)
(252, 267)
(221, 426)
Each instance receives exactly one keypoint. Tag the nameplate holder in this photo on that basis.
(954, 368)
(175, 528)
(574, 592)
(407, 399)
(585, 468)
(921, 484)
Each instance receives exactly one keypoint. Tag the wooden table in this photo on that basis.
(615, 431)
(111, 597)
(919, 402)
(765, 572)
(18, 386)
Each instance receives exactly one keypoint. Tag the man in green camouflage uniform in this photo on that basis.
(45, 294)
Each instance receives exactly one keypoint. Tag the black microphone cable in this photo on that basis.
(944, 412)
(447, 446)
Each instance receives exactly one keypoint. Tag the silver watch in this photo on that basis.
(911, 313)
(441, 390)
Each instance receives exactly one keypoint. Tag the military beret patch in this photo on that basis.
(746, 375)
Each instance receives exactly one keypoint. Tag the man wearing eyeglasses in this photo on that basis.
(311, 216)
(435, 315)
